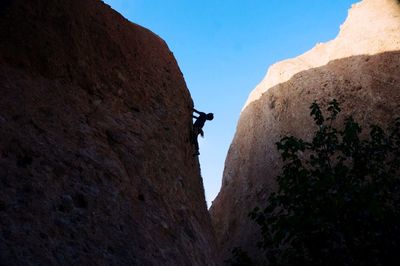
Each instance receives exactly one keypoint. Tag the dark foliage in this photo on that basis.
(239, 258)
(338, 197)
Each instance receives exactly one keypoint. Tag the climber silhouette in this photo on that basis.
(198, 127)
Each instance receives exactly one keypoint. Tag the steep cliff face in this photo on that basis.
(360, 68)
(96, 166)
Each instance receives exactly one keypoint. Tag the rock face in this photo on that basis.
(96, 164)
(360, 68)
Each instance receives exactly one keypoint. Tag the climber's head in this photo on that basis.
(210, 116)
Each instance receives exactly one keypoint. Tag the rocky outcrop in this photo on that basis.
(371, 27)
(360, 68)
(96, 164)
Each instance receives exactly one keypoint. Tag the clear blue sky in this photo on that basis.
(224, 48)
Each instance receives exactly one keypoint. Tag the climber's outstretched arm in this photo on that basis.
(194, 110)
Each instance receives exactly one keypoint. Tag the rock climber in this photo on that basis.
(198, 127)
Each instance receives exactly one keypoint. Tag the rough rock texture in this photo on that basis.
(96, 166)
(360, 68)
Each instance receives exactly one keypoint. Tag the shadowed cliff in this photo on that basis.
(359, 68)
(96, 164)
(367, 88)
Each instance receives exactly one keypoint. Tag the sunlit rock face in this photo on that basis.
(360, 68)
(372, 27)
(96, 166)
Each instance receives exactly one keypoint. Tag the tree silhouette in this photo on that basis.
(338, 197)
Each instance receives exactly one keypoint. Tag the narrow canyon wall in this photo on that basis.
(360, 68)
(96, 164)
